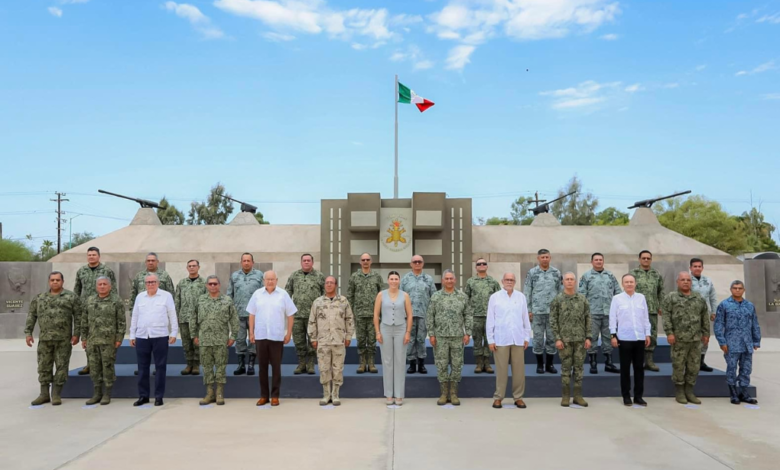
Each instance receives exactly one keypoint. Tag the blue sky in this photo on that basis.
(288, 102)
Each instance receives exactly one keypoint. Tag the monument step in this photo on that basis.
(657, 384)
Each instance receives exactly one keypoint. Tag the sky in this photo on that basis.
(291, 101)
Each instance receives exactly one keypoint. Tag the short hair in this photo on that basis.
(309, 255)
(366, 253)
(103, 278)
(480, 258)
(213, 276)
(596, 254)
(154, 275)
(737, 283)
(393, 273)
(448, 271)
(196, 261)
(543, 251)
(682, 273)
(508, 273)
(152, 253)
(53, 273)
(95, 249)
(696, 260)
(627, 275)
(335, 279)
(645, 251)
(567, 273)
(250, 256)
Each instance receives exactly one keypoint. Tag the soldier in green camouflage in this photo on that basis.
(188, 291)
(364, 285)
(478, 290)
(570, 321)
(450, 325)
(304, 286)
(243, 283)
(542, 284)
(599, 286)
(102, 330)
(58, 313)
(705, 288)
(86, 278)
(650, 283)
(331, 326)
(687, 326)
(420, 287)
(214, 325)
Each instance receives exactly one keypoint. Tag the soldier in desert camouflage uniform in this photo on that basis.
(188, 291)
(478, 290)
(304, 286)
(570, 320)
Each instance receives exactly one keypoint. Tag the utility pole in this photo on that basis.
(59, 202)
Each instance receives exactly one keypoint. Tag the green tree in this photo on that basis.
(611, 216)
(500, 221)
(759, 232)
(259, 217)
(214, 211)
(577, 209)
(80, 238)
(46, 252)
(704, 221)
(14, 250)
(169, 214)
(521, 212)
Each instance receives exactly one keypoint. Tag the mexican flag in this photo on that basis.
(407, 95)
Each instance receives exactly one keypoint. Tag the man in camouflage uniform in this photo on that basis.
(214, 324)
(331, 326)
(243, 283)
(420, 287)
(570, 321)
(364, 285)
(188, 291)
(542, 284)
(449, 327)
(138, 284)
(705, 288)
(687, 326)
(58, 313)
(739, 334)
(86, 278)
(102, 331)
(599, 286)
(650, 284)
(478, 291)
(304, 286)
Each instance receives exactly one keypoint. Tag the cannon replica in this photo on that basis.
(145, 203)
(649, 202)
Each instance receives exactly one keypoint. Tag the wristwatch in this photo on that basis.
(614, 336)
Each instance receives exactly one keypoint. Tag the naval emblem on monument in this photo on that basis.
(396, 233)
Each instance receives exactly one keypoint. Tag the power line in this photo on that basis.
(60, 212)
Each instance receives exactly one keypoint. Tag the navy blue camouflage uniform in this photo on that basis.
(736, 326)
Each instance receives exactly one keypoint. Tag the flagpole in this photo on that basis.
(395, 179)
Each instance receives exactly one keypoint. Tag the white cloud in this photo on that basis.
(634, 88)
(765, 67)
(459, 57)
(278, 37)
(198, 20)
(423, 65)
(414, 55)
(740, 73)
(699, 68)
(773, 19)
(772, 96)
(670, 85)
(55, 11)
(610, 37)
(586, 94)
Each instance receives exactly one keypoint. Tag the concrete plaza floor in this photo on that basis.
(363, 434)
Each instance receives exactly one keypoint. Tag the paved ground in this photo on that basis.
(363, 434)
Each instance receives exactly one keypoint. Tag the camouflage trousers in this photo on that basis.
(599, 324)
(190, 348)
(448, 354)
(705, 347)
(542, 327)
(686, 359)
(50, 354)
(572, 356)
(330, 358)
(300, 334)
(743, 360)
(416, 349)
(214, 360)
(481, 348)
(242, 339)
(366, 335)
(653, 332)
(101, 359)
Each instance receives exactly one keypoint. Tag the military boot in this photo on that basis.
(704, 367)
(578, 400)
(56, 390)
(106, 400)
(371, 366)
(445, 391)
(454, 393)
(609, 366)
(250, 368)
(325, 394)
(210, 397)
(690, 396)
(187, 370)
(679, 394)
(220, 394)
(540, 363)
(565, 395)
(195, 368)
(488, 369)
(412, 367)
(334, 396)
(550, 369)
(85, 370)
(744, 396)
(43, 397)
(421, 366)
(479, 368)
(362, 367)
(241, 369)
(649, 364)
(593, 363)
(301, 366)
(97, 395)
(310, 366)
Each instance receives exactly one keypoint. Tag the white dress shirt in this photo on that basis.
(270, 311)
(628, 317)
(154, 316)
(507, 319)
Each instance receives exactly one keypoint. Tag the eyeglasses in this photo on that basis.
(645, 259)
(509, 280)
(365, 260)
(481, 264)
(417, 262)
(213, 283)
(151, 282)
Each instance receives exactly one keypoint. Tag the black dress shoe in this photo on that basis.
(157, 402)
(421, 366)
(627, 401)
(639, 401)
(136, 372)
(141, 401)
